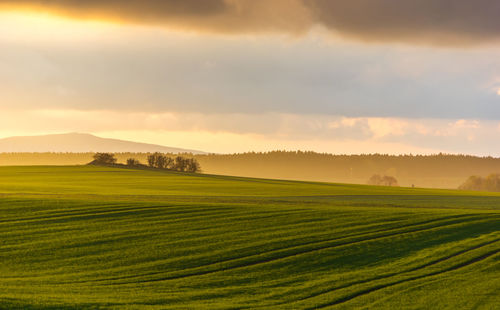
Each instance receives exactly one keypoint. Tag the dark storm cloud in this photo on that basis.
(426, 21)
(441, 22)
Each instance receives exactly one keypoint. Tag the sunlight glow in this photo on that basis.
(39, 26)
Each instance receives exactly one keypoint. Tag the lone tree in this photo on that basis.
(104, 158)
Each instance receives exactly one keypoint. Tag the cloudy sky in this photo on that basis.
(338, 76)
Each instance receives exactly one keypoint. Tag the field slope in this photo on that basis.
(106, 238)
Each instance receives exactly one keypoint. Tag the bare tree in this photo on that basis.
(376, 179)
(151, 160)
(193, 165)
(156, 160)
(169, 162)
(132, 162)
(389, 181)
(180, 163)
(160, 161)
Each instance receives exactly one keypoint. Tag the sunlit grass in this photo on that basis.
(90, 237)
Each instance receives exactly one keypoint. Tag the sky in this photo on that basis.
(336, 76)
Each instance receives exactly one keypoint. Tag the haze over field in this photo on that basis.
(437, 171)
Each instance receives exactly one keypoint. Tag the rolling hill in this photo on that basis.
(78, 143)
(86, 237)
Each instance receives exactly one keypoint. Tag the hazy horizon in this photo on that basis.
(81, 142)
(231, 76)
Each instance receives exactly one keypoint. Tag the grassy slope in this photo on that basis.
(91, 237)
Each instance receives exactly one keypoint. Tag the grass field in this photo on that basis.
(94, 237)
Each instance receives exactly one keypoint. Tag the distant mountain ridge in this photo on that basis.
(80, 143)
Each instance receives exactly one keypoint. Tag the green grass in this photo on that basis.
(99, 238)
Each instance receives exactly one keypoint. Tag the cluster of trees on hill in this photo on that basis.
(474, 183)
(385, 180)
(179, 163)
(156, 160)
(104, 158)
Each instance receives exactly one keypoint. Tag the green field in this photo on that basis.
(93, 237)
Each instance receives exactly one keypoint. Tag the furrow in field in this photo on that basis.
(203, 219)
(300, 233)
(394, 274)
(279, 254)
(95, 213)
(413, 278)
(275, 240)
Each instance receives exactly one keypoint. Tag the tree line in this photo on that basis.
(156, 160)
